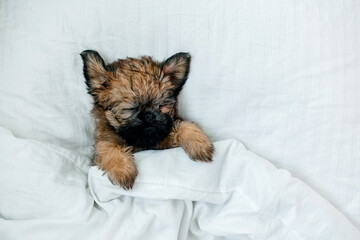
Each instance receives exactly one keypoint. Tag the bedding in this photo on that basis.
(239, 196)
(279, 76)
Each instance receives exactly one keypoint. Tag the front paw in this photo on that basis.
(200, 150)
(118, 162)
(124, 176)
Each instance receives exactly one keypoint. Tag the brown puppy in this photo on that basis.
(135, 109)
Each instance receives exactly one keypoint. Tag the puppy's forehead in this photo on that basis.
(140, 80)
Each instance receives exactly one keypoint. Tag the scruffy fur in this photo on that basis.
(135, 109)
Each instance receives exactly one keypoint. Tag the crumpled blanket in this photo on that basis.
(238, 196)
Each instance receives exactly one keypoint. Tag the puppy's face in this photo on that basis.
(137, 96)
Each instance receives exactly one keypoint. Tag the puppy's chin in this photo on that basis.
(146, 135)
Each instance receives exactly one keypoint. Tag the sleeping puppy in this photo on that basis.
(135, 109)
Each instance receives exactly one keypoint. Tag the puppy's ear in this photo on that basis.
(94, 71)
(177, 67)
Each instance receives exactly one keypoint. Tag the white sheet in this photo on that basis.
(239, 196)
(281, 76)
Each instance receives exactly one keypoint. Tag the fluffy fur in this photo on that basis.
(135, 109)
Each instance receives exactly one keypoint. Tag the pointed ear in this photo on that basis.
(94, 71)
(177, 67)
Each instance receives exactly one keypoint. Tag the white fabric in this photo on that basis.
(280, 76)
(239, 196)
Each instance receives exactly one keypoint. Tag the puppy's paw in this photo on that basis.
(200, 150)
(124, 176)
(118, 162)
(195, 143)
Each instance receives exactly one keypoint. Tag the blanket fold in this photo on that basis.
(238, 196)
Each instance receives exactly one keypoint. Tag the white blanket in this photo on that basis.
(238, 196)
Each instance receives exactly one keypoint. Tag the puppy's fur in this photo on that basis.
(135, 109)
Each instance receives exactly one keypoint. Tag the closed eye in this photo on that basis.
(168, 105)
(131, 109)
(167, 102)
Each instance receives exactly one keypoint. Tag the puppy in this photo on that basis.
(135, 109)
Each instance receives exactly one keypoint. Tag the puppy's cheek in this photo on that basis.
(126, 114)
(165, 110)
(112, 119)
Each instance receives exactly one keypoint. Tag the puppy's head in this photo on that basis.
(137, 96)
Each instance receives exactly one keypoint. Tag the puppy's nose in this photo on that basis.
(149, 116)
